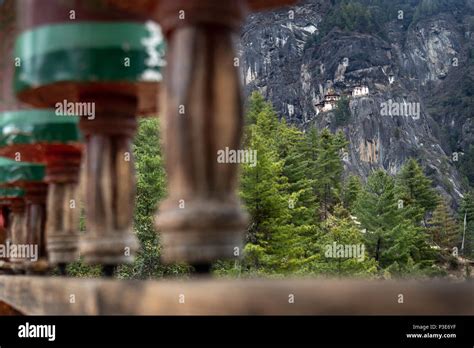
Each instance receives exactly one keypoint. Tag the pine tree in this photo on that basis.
(263, 189)
(415, 191)
(342, 114)
(444, 231)
(326, 168)
(397, 243)
(466, 215)
(292, 145)
(256, 105)
(409, 252)
(343, 236)
(352, 188)
(377, 210)
(151, 187)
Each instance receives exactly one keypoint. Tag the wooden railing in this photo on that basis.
(56, 296)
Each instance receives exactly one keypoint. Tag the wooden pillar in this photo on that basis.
(18, 231)
(35, 199)
(62, 174)
(201, 220)
(4, 233)
(110, 180)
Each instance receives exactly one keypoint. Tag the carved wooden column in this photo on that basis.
(18, 232)
(201, 220)
(62, 224)
(6, 200)
(35, 199)
(110, 180)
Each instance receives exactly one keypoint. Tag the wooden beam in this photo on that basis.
(68, 296)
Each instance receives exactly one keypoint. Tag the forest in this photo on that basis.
(303, 207)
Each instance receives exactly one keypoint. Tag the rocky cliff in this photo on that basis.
(407, 80)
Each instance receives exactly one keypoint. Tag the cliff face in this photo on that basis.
(414, 74)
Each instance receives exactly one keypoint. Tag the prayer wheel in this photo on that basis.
(28, 224)
(201, 220)
(41, 136)
(88, 59)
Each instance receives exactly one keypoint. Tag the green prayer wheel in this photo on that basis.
(88, 59)
(27, 226)
(69, 50)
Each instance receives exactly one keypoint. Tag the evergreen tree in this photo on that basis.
(263, 188)
(256, 105)
(467, 218)
(415, 191)
(151, 188)
(342, 114)
(327, 168)
(399, 245)
(342, 250)
(352, 188)
(293, 149)
(444, 231)
(377, 210)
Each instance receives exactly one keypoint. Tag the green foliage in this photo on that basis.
(466, 164)
(415, 191)
(398, 245)
(326, 167)
(301, 210)
(444, 230)
(342, 114)
(342, 232)
(151, 187)
(429, 8)
(351, 16)
(352, 188)
(466, 219)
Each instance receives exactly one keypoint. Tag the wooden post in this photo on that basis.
(35, 199)
(110, 180)
(18, 231)
(62, 174)
(201, 220)
(4, 232)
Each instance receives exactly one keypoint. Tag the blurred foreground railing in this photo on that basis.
(67, 296)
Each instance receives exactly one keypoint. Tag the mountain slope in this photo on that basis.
(415, 57)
